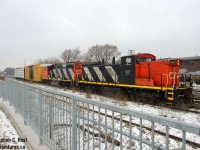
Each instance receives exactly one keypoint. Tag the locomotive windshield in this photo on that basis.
(128, 61)
(143, 59)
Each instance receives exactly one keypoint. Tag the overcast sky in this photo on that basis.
(33, 29)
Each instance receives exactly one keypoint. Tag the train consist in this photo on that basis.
(140, 76)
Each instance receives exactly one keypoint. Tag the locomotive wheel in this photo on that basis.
(149, 97)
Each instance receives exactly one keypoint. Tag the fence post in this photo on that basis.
(14, 98)
(184, 140)
(39, 116)
(4, 95)
(74, 124)
(23, 97)
(10, 95)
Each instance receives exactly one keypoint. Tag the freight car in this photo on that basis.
(35, 72)
(140, 76)
(19, 73)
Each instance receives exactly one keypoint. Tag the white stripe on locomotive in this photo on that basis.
(87, 72)
(60, 74)
(71, 73)
(55, 73)
(66, 75)
(99, 73)
(112, 73)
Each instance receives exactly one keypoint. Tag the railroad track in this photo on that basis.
(85, 110)
(193, 110)
(101, 134)
(188, 142)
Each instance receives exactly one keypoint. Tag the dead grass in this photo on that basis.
(2, 78)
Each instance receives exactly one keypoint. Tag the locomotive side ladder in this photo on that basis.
(170, 95)
(170, 92)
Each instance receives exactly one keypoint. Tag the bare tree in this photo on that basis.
(109, 52)
(95, 53)
(70, 55)
(9, 71)
(65, 55)
(51, 60)
(98, 52)
(39, 61)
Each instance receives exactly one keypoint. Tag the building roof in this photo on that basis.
(190, 58)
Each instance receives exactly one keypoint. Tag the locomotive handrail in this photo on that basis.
(167, 80)
(174, 81)
(184, 79)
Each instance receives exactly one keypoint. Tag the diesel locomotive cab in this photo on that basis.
(127, 70)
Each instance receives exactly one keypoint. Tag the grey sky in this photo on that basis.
(32, 29)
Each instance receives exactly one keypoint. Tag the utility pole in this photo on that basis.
(24, 62)
(131, 52)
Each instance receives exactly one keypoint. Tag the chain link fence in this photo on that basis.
(65, 121)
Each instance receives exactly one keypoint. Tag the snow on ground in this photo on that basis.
(154, 110)
(8, 135)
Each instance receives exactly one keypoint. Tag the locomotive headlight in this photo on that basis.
(172, 62)
(178, 62)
